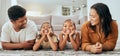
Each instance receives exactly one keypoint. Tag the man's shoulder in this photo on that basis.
(7, 25)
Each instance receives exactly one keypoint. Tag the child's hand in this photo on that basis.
(49, 32)
(41, 31)
(64, 33)
(72, 33)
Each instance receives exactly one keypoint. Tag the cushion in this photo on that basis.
(59, 20)
(39, 20)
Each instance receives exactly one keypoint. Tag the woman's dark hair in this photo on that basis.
(16, 12)
(105, 18)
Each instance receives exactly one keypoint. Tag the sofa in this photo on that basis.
(57, 21)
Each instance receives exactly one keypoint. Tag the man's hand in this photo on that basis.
(27, 44)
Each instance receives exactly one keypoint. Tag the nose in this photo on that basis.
(25, 21)
(67, 27)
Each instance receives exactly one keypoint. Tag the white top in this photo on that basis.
(68, 44)
(8, 33)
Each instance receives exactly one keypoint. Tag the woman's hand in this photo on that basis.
(97, 48)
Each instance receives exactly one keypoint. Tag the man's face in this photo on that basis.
(20, 23)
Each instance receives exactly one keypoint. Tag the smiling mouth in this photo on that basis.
(68, 31)
(46, 31)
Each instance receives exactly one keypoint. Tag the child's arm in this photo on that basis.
(38, 43)
(52, 43)
(62, 41)
(75, 42)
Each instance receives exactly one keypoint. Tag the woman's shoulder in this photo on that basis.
(85, 25)
(114, 24)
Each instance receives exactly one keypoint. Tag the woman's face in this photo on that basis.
(94, 17)
(46, 27)
(68, 27)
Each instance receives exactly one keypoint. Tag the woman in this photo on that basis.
(101, 32)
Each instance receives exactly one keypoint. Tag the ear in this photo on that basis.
(12, 21)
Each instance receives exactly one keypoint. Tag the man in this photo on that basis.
(18, 32)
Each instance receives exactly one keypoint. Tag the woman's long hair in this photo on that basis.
(105, 18)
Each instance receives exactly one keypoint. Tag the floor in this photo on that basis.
(70, 52)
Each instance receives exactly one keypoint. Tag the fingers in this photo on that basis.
(98, 45)
(94, 49)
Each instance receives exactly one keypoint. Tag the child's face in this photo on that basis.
(46, 27)
(68, 27)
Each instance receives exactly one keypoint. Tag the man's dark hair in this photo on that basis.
(16, 12)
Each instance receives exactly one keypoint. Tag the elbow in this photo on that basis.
(108, 48)
(4, 46)
(34, 48)
(55, 49)
(76, 48)
(61, 48)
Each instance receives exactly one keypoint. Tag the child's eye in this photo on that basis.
(65, 26)
(43, 27)
(48, 27)
(70, 25)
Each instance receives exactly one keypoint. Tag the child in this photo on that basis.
(68, 37)
(47, 38)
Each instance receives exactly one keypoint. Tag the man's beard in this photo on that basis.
(22, 27)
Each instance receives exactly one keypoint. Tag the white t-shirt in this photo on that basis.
(8, 33)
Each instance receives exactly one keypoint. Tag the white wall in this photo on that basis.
(49, 6)
(112, 4)
(4, 5)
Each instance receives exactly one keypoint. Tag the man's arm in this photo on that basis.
(25, 45)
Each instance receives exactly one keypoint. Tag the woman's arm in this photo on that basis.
(111, 40)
